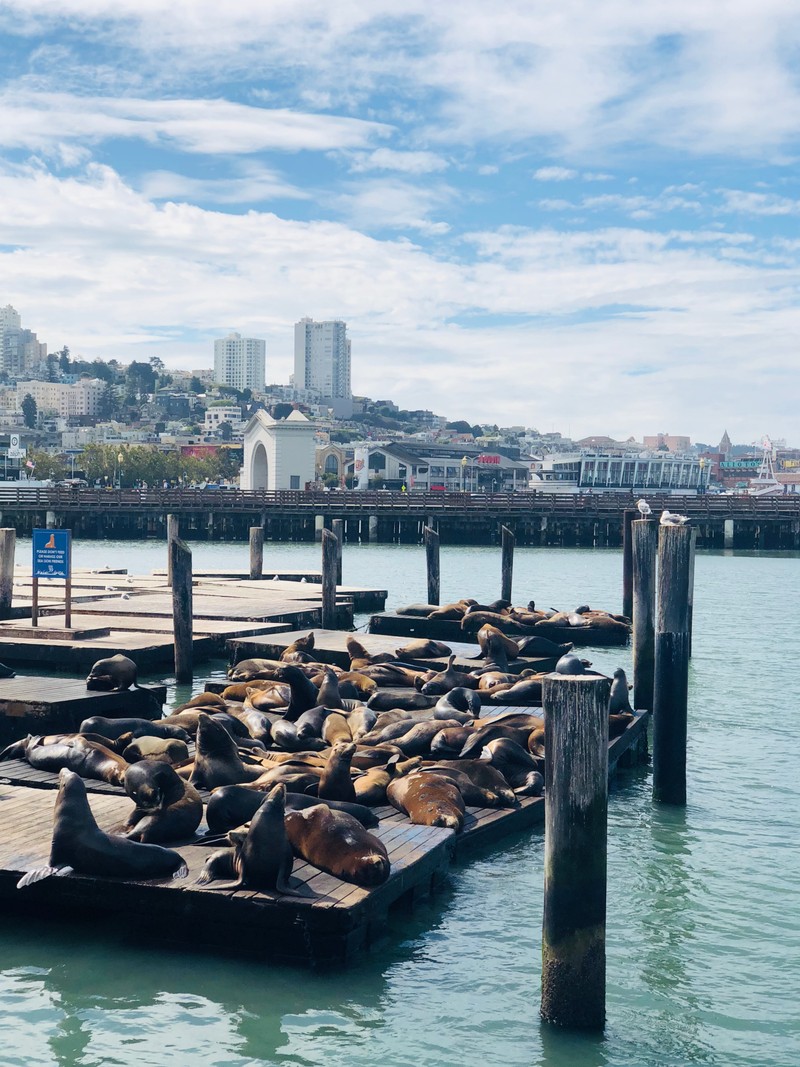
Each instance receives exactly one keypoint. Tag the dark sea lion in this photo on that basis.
(18, 749)
(470, 624)
(422, 649)
(487, 776)
(336, 782)
(417, 741)
(516, 764)
(476, 742)
(256, 723)
(619, 723)
(439, 682)
(337, 843)
(497, 607)
(618, 700)
(411, 701)
(328, 693)
(156, 749)
(368, 756)
(527, 691)
(391, 674)
(80, 845)
(114, 674)
(472, 794)
(460, 703)
(114, 728)
(262, 857)
(535, 646)
(85, 758)
(167, 808)
(252, 669)
(427, 800)
(304, 692)
(216, 761)
(298, 779)
(447, 744)
(361, 722)
(233, 805)
(310, 723)
(571, 665)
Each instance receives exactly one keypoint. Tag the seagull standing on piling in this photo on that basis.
(669, 518)
(644, 508)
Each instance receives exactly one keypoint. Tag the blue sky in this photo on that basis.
(575, 216)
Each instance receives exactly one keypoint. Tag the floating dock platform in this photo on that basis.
(328, 922)
(449, 630)
(59, 705)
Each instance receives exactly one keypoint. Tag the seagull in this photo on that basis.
(304, 579)
(668, 518)
(644, 508)
(125, 596)
(275, 577)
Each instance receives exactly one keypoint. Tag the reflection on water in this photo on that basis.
(703, 919)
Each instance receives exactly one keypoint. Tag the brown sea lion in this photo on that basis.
(301, 644)
(336, 782)
(238, 690)
(156, 749)
(516, 764)
(481, 737)
(447, 744)
(336, 728)
(422, 649)
(409, 701)
(363, 686)
(471, 624)
(496, 647)
(427, 800)
(216, 761)
(456, 610)
(337, 843)
(487, 776)
(261, 857)
(328, 694)
(524, 693)
(248, 669)
(202, 700)
(274, 698)
(417, 741)
(475, 795)
(115, 674)
(435, 683)
(619, 723)
(371, 786)
(80, 846)
(233, 805)
(167, 808)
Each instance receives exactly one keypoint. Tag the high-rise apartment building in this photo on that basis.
(240, 362)
(322, 361)
(20, 350)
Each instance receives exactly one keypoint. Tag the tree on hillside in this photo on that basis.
(63, 359)
(282, 411)
(108, 404)
(141, 378)
(225, 430)
(460, 426)
(52, 368)
(196, 385)
(29, 410)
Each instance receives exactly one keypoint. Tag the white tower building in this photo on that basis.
(240, 362)
(322, 362)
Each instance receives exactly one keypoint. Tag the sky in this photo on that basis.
(579, 217)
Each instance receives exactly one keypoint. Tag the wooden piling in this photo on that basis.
(8, 545)
(693, 553)
(628, 516)
(329, 565)
(670, 698)
(256, 552)
(431, 539)
(507, 563)
(173, 531)
(180, 557)
(574, 921)
(337, 526)
(644, 539)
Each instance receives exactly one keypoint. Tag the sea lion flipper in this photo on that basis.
(182, 872)
(40, 873)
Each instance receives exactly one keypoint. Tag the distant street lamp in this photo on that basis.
(120, 458)
(464, 462)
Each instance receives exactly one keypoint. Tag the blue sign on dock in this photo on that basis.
(52, 553)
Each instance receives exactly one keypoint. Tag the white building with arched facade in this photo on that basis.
(278, 453)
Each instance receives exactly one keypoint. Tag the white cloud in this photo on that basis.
(554, 174)
(254, 186)
(402, 162)
(384, 203)
(746, 203)
(35, 120)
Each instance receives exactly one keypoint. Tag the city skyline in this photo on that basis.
(584, 219)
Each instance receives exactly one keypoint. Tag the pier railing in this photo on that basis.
(380, 502)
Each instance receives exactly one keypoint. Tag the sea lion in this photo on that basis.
(85, 758)
(262, 857)
(470, 624)
(238, 690)
(156, 749)
(302, 644)
(232, 805)
(619, 723)
(421, 649)
(80, 846)
(328, 693)
(428, 800)
(337, 843)
(481, 737)
(496, 646)
(571, 665)
(482, 773)
(471, 793)
(460, 703)
(361, 722)
(535, 646)
(363, 686)
(456, 610)
(115, 674)
(167, 808)
(216, 761)
(371, 786)
(516, 764)
(304, 692)
(618, 699)
(114, 728)
(443, 681)
(336, 728)
(336, 782)
(499, 607)
(523, 693)
(447, 744)
(360, 657)
(202, 700)
(274, 696)
(417, 741)
(411, 701)
(18, 749)
(251, 669)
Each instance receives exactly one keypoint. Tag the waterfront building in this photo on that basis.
(620, 470)
(322, 363)
(240, 362)
(424, 467)
(278, 453)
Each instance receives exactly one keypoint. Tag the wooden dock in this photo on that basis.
(329, 921)
(449, 630)
(330, 646)
(58, 705)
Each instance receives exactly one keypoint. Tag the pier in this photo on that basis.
(544, 519)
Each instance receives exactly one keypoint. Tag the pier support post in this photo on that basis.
(329, 563)
(670, 696)
(256, 552)
(431, 540)
(181, 565)
(319, 526)
(337, 527)
(507, 565)
(50, 520)
(173, 531)
(644, 539)
(690, 606)
(574, 921)
(373, 529)
(627, 562)
(8, 544)
(727, 534)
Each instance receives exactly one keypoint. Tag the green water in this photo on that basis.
(703, 912)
